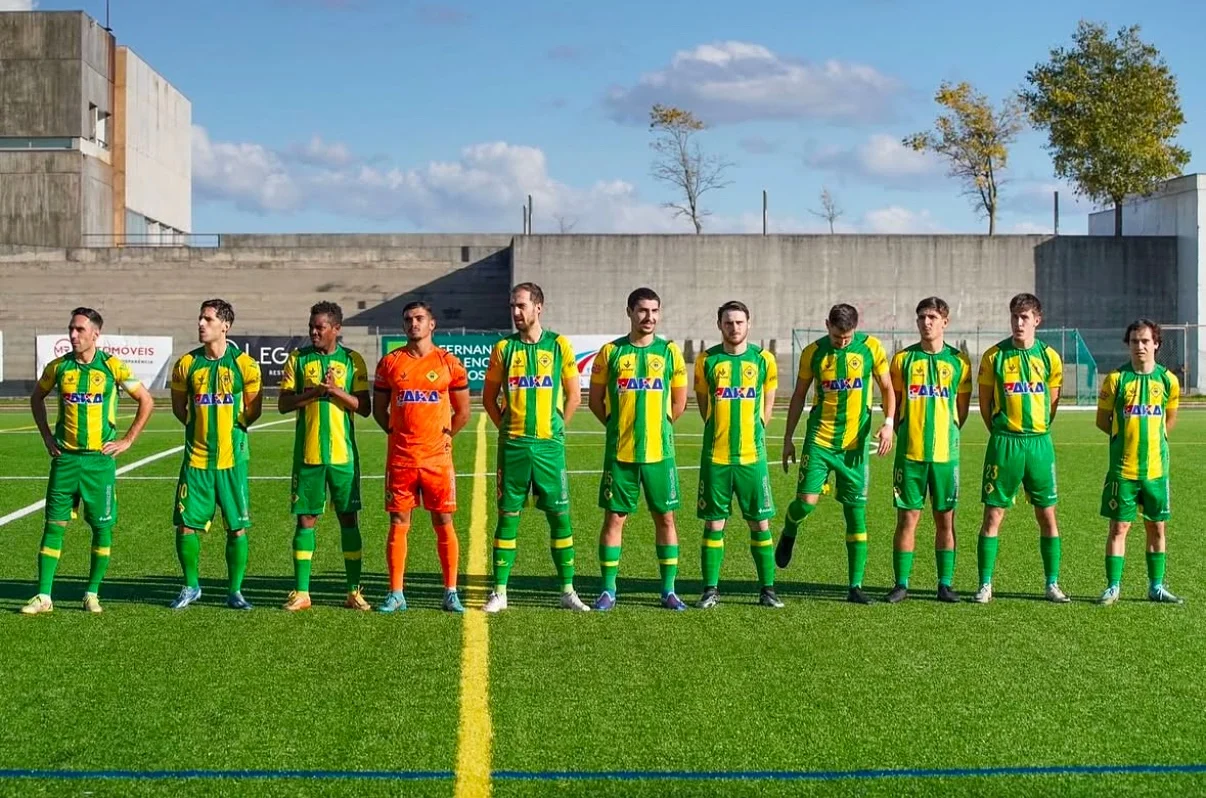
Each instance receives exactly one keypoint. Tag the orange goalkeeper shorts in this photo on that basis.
(405, 485)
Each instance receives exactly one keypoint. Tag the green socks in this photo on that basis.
(764, 557)
(1114, 569)
(102, 540)
(797, 511)
(504, 550)
(986, 557)
(48, 556)
(667, 566)
(236, 560)
(609, 565)
(353, 556)
(856, 543)
(1155, 569)
(902, 566)
(303, 557)
(188, 549)
(1050, 548)
(561, 544)
(711, 555)
(946, 566)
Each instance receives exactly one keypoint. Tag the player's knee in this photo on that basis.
(59, 524)
(348, 519)
(236, 533)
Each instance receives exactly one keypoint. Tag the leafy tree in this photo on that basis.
(1111, 111)
(682, 164)
(974, 138)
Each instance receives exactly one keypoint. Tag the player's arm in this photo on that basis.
(794, 410)
(702, 394)
(1055, 381)
(596, 400)
(770, 386)
(180, 405)
(37, 407)
(962, 407)
(253, 391)
(678, 383)
(288, 399)
(348, 401)
(458, 394)
(571, 382)
(1105, 419)
(179, 386)
(381, 407)
(253, 407)
(887, 394)
(492, 388)
(146, 405)
(987, 380)
(1173, 403)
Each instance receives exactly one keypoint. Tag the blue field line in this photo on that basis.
(611, 775)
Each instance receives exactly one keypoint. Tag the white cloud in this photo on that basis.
(18, 5)
(728, 82)
(882, 159)
(251, 176)
(895, 220)
(317, 152)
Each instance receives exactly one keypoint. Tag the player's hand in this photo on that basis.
(789, 453)
(52, 448)
(114, 448)
(885, 436)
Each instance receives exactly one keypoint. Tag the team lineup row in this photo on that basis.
(638, 389)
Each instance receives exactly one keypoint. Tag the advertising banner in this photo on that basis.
(271, 352)
(148, 356)
(585, 349)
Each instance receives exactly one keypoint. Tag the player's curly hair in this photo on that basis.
(1137, 325)
(329, 309)
(222, 309)
(843, 317)
(1024, 302)
(91, 315)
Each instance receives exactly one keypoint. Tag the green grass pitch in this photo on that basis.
(818, 686)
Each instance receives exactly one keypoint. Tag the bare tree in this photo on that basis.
(565, 224)
(830, 211)
(682, 164)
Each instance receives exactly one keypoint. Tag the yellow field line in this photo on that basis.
(475, 735)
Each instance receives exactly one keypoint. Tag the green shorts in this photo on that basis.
(87, 480)
(1013, 461)
(1121, 498)
(913, 480)
(719, 482)
(620, 487)
(532, 469)
(201, 492)
(310, 484)
(851, 469)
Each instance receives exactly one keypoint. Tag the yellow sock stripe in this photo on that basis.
(610, 563)
(50, 552)
(353, 555)
(504, 543)
(474, 736)
(714, 544)
(858, 537)
(562, 543)
(303, 555)
(759, 542)
(670, 561)
(101, 552)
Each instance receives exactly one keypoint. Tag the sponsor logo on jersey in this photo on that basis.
(929, 392)
(1144, 410)
(210, 399)
(624, 384)
(737, 393)
(412, 396)
(79, 398)
(844, 384)
(523, 381)
(1024, 388)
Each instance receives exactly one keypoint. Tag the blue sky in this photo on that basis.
(396, 115)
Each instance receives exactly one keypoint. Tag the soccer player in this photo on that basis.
(83, 449)
(327, 384)
(1137, 408)
(638, 389)
(217, 395)
(531, 393)
(421, 400)
(933, 386)
(735, 385)
(843, 364)
(1020, 380)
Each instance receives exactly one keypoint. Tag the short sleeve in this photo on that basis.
(1109, 392)
(289, 374)
(896, 371)
(1174, 392)
(360, 382)
(806, 357)
(879, 358)
(1055, 378)
(988, 372)
(458, 378)
(49, 375)
(678, 367)
(965, 378)
(382, 378)
(252, 379)
(180, 374)
(598, 369)
(771, 381)
(494, 369)
(569, 366)
(124, 375)
(701, 373)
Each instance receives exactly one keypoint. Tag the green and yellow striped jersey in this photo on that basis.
(87, 392)
(325, 432)
(929, 385)
(1021, 382)
(1140, 404)
(844, 378)
(734, 431)
(215, 433)
(639, 380)
(532, 378)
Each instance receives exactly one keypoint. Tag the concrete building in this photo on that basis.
(94, 145)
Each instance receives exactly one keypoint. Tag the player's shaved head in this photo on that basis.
(89, 314)
(642, 295)
(936, 304)
(1025, 302)
(843, 318)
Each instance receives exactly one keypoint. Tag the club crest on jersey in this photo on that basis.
(1155, 392)
(1144, 410)
(737, 393)
(412, 396)
(97, 380)
(855, 362)
(844, 384)
(624, 384)
(748, 371)
(944, 372)
(81, 398)
(656, 364)
(212, 399)
(929, 392)
(225, 382)
(522, 381)
(432, 376)
(545, 360)
(1025, 388)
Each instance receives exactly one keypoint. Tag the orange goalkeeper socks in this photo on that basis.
(449, 550)
(395, 552)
